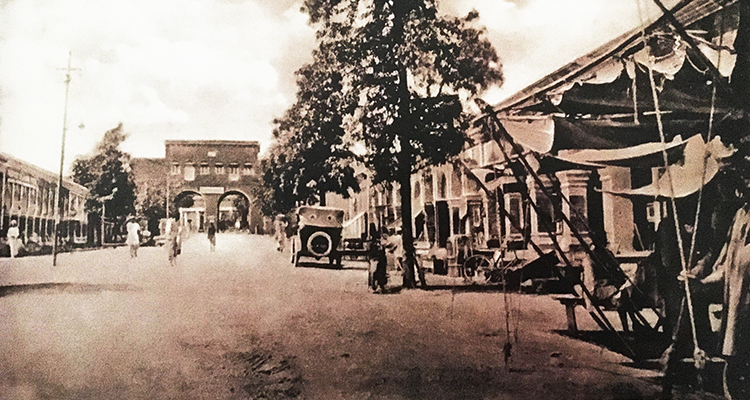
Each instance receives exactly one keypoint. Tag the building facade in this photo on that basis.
(210, 171)
(27, 195)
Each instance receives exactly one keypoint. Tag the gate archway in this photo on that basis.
(189, 207)
(233, 211)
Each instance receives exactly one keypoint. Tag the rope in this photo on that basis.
(697, 350)
(508, 346)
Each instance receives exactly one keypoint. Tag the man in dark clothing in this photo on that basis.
(212, 235)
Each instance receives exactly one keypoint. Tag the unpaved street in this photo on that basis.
(243, 323)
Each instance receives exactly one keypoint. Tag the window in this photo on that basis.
(204, 169)
(234, 172)
(219, 169)
(428, 198)
(189, 174)
(456, 188)
(417, 190)
(514, 208)
(247, 169)
(456, 216)
(442, 183)
(578, 213)
(547, 218)
(175, 169)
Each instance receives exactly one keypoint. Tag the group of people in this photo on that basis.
(714, 268)
(387, 253)
(174, 234)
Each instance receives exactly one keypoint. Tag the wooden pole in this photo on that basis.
(58, 193)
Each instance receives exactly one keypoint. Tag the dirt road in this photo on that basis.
(242, 323)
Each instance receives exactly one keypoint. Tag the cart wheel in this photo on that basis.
(477, 268)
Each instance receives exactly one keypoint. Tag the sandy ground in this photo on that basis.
(243, 323)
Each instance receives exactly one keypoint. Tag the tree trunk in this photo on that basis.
(741, 72)
(404, 124)
(407, 235)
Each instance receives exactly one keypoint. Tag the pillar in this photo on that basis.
(212, 206)
(618, 210)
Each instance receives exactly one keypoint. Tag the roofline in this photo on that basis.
(254, 143)
(52, 176)
(683, 13)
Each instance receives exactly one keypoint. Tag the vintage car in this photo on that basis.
(318, 234)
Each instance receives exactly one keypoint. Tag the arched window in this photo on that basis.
(456, 189)
(442, 183)
(427, 186)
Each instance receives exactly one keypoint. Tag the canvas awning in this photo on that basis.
(604, 100)
(600, 65)
(701, 160)
(645, 155)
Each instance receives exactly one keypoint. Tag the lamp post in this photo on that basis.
(104, 203)
(58, 192)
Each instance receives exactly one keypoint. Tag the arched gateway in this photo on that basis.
(216, 175)
(217, 170)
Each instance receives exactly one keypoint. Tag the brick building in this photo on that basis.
(210, 171)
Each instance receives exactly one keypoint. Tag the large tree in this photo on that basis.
(106, 173)
(310, 156)
(408, 68)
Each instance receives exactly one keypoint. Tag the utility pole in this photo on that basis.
(58, 193)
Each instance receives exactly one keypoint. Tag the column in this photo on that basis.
(618, 210)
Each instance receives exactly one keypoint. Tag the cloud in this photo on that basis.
(220, 69)
(166, 69)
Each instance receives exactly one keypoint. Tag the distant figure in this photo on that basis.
(733, 268)
(393, 244)
(14, 240)
(378, 263)
(212, 235)
(134, 236)
(174, 240)
(279, 224)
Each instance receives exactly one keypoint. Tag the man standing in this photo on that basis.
(280, 225)
(13, 238)
(733, 267)
(134, 236)
(212, 235)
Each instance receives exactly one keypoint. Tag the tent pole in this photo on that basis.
(595, 257)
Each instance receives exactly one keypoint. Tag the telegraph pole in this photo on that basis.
(58, 193)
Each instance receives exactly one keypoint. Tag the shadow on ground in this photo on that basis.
(648, 347)
(66, 287)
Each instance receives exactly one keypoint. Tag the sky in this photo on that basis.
(220, 69)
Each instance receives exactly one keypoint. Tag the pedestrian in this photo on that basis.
(14, 241)
(134, 236)
(280, 223)
(733, 268)
(678, 321)
(378, 263)
(174, 240)
(394, 244)
(212, 235)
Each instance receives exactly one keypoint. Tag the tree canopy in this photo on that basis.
(406, 69)
(106, 171)
(310, 156)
